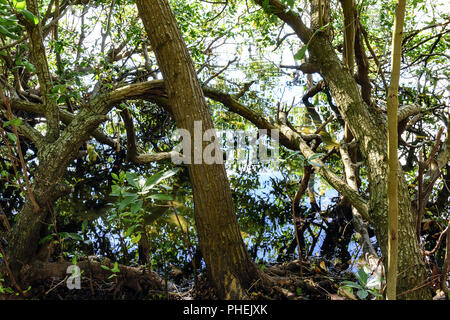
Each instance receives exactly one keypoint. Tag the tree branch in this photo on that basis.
(40, 61)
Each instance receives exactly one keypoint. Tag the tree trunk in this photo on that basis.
(369, 129)
(392, 187)
(229, 265)
(47, 187)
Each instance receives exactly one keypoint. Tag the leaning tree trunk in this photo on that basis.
(47, 187)
(229, 265)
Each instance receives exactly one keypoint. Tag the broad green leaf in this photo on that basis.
(158, 177)
(19, 5)
(362, 294)
(131, 178)
(136, 239)
(315, 156)
(15, 122)
(351, 284)
(301, 53)
(29, 66)
(162, 197)
(116, 268)
(29, 16)
(7, 21)
(130, 230)
(136, 206)
(84, 226)
(8, 33)
(115, 190)
(293, 154)
(74, 236)
(362, 276)
(315, 164)
(46, 238)
(125, 202)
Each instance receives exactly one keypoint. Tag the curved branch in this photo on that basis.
(40, 61)
(132, 154)
(336, 182)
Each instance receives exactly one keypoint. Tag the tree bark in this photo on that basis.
(229, 265)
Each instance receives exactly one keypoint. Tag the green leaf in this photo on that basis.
(362, 276)
(116, 268)
(136, 206)
(15, 122)
(315, 156)
(29, 66)
(6, 21)
(172, 219)
(375, 293)
(105, 267)
(130, 230)
(293, 154)
(162, 197)
(29, 16)
(315, 164)
(47, 238)
(301, 53)
(12, 137)
(351, 284)
(362, 294)
(125, 202)
(158, 177)
(115, 190)
(84, 226)
(19, 5)
(70, 235)
(7, 33)
(136, 239)
(131, 178)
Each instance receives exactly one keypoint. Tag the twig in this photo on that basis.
(5, 219)
(323, 125)
(423, 165)
(52, 288)
(19, 151)
(438, 244)
(219, 72)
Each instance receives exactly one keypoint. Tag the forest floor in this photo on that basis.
(314, 282)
